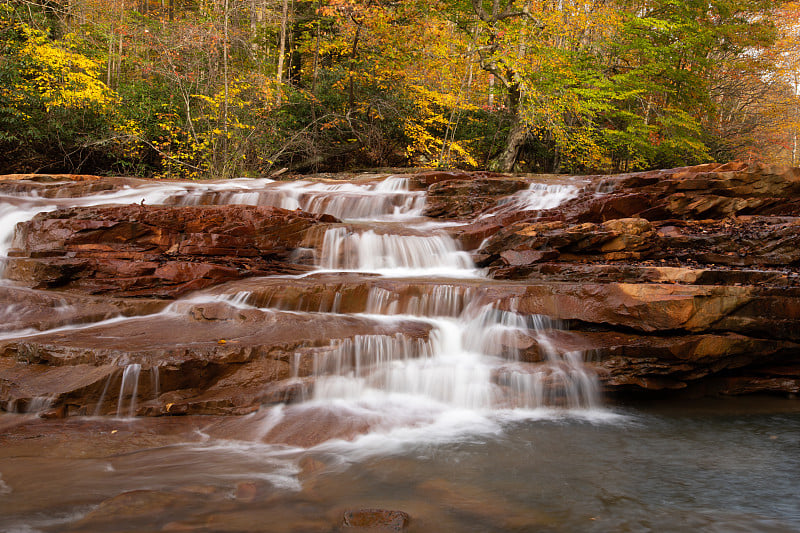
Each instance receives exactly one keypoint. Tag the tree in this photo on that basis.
(52, 103)
(222, 89)
(682, 63)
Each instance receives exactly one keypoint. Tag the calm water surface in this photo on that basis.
(729, 465)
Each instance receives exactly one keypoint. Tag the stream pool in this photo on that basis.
(706, 465)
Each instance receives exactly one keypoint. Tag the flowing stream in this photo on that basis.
(461, 427)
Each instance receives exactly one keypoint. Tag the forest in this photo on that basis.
(249, 88)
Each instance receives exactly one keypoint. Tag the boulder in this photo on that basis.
(462, 198)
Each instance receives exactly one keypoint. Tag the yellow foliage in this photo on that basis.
(429, 127)
(58, 76)
(192, 148)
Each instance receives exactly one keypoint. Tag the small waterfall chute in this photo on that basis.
(128, 391)
(370, 251)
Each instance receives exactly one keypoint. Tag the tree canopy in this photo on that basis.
(229, 88)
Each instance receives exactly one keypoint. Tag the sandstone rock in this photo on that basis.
(462, 198)
(704, 192)
(184, 366)
(527, 257)
(157, 250)
(426, 179)
(22, 309)
(741, 385)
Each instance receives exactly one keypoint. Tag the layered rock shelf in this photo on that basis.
(142, 250)
(684, 281)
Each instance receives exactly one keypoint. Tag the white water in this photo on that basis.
(470, 360)
(129, 390)
(436, 301)
(468, 368)
(394, 255)
(388, 199)
(541, 196)
(34, 405)
(538, 197)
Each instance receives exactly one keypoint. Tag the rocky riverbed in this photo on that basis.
(680, 280)
(416, 352)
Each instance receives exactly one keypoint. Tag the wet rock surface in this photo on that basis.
(679, 280)
(462, 198)
(209, 358)
(157, 251)
(375, 520)
(731, 215)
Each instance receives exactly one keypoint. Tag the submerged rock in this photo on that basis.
(375, 520)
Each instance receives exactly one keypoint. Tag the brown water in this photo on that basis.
(712, 466)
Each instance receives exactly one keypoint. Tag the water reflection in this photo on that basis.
(718, 469)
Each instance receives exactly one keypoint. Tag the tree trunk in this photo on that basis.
(119, 45)
(225, 76)
(282, 51)
(518, 132)
(351, 100)
(514, 141)
(110, 62)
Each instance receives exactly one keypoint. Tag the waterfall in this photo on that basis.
(389, 198)
(434, 301)
(393, 254)
(128, 390)
(471, 359)
(541, 196)
(467, 347)
(34, 405)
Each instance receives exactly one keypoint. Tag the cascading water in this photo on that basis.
(424, 404)
(129, 390)
(387, 199)
(471, 359)
(471, 356)
(436, 301)
(537, 197)
(369, 251)
(541, 196)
